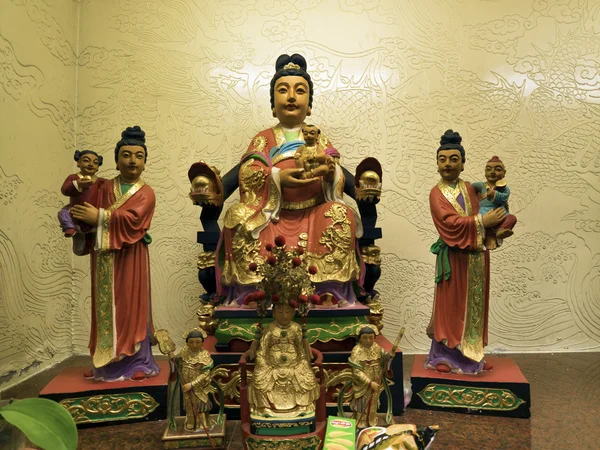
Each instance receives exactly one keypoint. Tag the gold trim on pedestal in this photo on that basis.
(490, 399)
(110, 408)
(180, 438)
(296, 443)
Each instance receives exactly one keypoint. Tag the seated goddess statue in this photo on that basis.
(283, 383)
(278, 198)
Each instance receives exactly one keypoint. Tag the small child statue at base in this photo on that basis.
(311, 157)
(494, 194)
(81, 187)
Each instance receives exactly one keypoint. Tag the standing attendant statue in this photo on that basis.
(459, 323)
(120, 265)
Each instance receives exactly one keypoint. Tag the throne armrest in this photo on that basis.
(367, 181)
(207, 186)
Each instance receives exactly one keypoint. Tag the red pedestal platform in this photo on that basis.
(94, 403)
(504, 391)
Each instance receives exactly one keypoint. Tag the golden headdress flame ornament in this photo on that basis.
(292, 65)
(285, 280)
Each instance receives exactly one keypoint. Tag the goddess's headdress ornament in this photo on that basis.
(285, 279)
(292, 66)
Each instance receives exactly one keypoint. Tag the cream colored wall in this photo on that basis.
(520, 79)
(37, 136)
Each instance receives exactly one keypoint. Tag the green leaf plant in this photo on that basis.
(44, 422)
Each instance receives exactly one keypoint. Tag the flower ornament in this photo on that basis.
(285, 279)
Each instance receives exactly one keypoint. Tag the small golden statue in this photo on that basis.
(192, 366)
(283, 383)
(311, 157)
(371, 375)
(192, 371)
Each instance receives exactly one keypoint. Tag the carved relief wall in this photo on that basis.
(38, 284)
(518, 79)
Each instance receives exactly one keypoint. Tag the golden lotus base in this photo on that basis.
(180, 438)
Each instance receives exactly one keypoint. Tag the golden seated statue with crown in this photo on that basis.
(283, 391)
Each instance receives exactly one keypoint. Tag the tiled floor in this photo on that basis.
(565, 412)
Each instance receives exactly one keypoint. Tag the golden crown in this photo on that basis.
(199, 330)
(285, 279)
(291, 66)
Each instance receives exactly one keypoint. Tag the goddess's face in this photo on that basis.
(131, 162)
(291, 96)
(450, 164)
(88, 164)
(283, 314)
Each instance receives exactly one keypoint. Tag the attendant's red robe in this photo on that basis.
(461, 304)
(121, 302)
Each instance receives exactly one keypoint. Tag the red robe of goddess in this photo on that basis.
(313, 217)
(461, 303)
(121, 304)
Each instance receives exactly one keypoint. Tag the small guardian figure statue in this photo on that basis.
(192, 366)
(371, 373)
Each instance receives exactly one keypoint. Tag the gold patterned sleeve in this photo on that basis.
(202, 380)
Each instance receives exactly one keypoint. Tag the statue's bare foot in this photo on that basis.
(487, 367)
(504, 233)
(443, 368)
(88, 374)
(138, 376)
